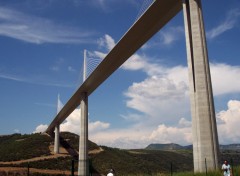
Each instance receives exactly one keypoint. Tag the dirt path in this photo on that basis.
(62, 153)
(34, 159)
(23, 171)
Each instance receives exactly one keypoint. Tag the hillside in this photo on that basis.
(35, 150)
(173, 146)
(170, 146)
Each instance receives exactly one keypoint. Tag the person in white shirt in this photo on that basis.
(111, 172)
(226, 168)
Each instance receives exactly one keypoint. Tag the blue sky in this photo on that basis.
(145, 101)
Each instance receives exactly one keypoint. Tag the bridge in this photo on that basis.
(159, 13)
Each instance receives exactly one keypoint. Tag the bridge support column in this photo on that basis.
(205, 138)
(56, 140)
(83, 167)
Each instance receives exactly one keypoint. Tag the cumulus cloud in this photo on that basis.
(41, 128)
(72, 124)
(161, 90)
(156, 96)
(139, 136)
(231, 20)
(164, 87)
(107, 42)
(228, 129)
(122, 138)
(141, 63)
(181, 133)
(225, 79)
(170, 134)
(163, 97)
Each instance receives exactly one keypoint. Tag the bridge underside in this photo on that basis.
(159, 14)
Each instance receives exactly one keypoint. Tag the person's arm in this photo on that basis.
(223, 168)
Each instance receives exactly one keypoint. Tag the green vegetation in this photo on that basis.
(16, 147)
(139, 162)
(73, 141)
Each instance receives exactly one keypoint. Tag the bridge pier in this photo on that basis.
(56, 140)
(57, 129)
(83, 166)
(204, 129)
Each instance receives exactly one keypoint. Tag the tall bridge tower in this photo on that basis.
(204, 128)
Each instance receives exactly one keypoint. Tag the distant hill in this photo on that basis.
(230, 147)
(173, 146)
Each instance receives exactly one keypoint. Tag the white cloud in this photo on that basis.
(225, 78)
(140, 136)
(230, 22)
(165, 87)
(132, 117)
(228, 129)
(122, 138)
(172, 34)
(16, 131)
(135, 62)
(32, 80)
(41, 128)
(38, 30)
(162, 90)
(71, 69)
(163, 98)
(72, 124)
(107, 42)
(156, 96)
(140, 62)
(12, 77)
(97, 126)
(99, 54)
(169, 134)
(165, 37)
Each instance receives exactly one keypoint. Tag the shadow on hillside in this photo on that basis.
(71, 151)
(68, 148)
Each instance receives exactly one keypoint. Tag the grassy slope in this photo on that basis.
(16, 147)
(141, 161)
(125, 162)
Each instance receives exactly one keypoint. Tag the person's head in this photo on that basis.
(111, 171)
(225, 162)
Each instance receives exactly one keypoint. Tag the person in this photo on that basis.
(111, 172)
(226, 168)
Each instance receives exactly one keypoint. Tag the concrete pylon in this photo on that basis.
(204, 129)
(56, 140)
(83, 167)
(57, 129)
